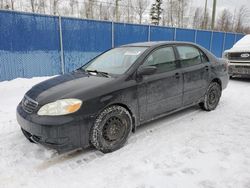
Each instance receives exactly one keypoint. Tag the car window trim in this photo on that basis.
(203, 54)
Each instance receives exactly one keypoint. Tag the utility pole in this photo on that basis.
(205, 16)
(214, 12)
(128, 9)
(116, 10)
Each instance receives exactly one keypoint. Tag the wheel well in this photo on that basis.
(130, 112)
(217, 80)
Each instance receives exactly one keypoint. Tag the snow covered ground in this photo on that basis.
(189, 149)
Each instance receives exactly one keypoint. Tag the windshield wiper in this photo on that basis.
(105, 74)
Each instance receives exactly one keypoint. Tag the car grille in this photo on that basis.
(242, 56)
(235, 69)
(29, 105)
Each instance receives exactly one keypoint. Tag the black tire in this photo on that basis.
(212, 97)
(111, 129)
(27, 135)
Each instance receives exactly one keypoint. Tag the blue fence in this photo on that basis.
(38, 45)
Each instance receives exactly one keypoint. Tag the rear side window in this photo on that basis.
(189, 56)
(163, 59)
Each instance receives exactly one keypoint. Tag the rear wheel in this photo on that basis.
(212, 97)
(111, 129)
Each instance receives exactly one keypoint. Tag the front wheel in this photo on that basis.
(212, 97)
(111, 129)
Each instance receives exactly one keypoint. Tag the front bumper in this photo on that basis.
(239, 69)
(63, 133)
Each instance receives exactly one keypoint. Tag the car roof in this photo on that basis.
(155, 43)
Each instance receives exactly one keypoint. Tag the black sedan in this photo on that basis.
(101, 103)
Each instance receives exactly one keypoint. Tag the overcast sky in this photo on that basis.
(221, 4)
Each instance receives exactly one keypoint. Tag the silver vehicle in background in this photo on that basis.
(239, 57)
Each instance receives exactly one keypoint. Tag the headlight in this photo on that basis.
(225, 55)
(60, 107)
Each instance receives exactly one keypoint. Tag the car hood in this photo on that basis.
(238, 49)
(76, 84)
(243, 45)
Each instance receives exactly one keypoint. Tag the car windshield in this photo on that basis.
(115, 61)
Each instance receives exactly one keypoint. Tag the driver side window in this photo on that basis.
(163, 59)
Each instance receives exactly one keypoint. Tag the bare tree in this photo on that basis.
(197, 20)
(54, 6)
(128, 11)
(165, 16)
(88, 5)
(246, 30)
(34, 5)
(242, 14)
(42, 6)
(182, 11)
(140, 7)
(104, 11)
(116, 13)
(12, 4)
(73, 4)
(1, 4)
(205, 21)
(169, 8)
(38, 6)
(224, 22)
(173, 12)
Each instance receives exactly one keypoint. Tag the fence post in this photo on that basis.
(211, 41)
(224, 42)
(149, 32)
(61, 45)
(112, 35)
(195, 36)
(235, 37)
(175, 34)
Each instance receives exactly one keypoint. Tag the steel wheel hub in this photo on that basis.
(113, 129)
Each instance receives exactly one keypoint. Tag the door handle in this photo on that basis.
(206, 68)
(177, 75)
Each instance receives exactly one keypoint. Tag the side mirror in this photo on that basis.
(146, 70)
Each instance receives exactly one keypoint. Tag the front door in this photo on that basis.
(160, 92)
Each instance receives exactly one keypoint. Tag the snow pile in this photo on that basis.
(191, 148)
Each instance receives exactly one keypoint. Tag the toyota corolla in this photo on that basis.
(102, 102)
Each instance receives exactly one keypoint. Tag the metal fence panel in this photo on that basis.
(185, 35)
(34, 45)
(217, 43)
(203, 38)
(83, 40)
(161, 33)
(238, 37)
(29, 45)
(229, 41)
(130, 33)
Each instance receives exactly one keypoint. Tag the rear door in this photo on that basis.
(195, 69)
(162, 91)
